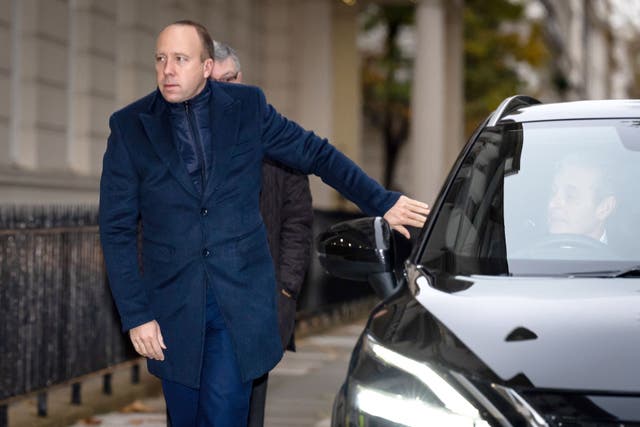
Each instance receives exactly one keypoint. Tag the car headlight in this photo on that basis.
(422, 395)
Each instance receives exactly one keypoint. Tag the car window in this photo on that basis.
(543, 198)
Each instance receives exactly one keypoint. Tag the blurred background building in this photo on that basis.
(397, 85)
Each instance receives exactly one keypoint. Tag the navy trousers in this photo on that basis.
(222, 399)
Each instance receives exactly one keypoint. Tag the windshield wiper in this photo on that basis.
(629, 272)
(612, 274)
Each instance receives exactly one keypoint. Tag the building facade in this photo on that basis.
(71, 63)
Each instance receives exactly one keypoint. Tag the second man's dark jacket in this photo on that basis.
(285, 204)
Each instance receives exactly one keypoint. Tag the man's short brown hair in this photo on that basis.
(203, 33)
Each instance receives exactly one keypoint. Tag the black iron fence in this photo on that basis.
(57, 318)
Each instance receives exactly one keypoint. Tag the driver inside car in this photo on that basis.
(581, 198)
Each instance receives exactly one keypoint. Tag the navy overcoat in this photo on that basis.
(216, 236)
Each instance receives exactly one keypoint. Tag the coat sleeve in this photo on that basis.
(118, 219)
(287, 142)
(295, 231)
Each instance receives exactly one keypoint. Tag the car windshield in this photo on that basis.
(543, 198)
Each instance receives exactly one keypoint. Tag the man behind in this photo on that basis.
(285, 204)
(186, 161)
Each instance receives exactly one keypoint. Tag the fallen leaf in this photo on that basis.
(136, 406)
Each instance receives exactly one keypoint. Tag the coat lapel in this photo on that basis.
(224, 132)
(157, 125)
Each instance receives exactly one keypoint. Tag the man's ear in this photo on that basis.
(208, 67)
(239, 78)
(605, 207)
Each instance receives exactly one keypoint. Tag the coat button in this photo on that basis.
(204, 211)
(206, 252)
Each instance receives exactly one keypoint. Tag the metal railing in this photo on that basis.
(57, 319)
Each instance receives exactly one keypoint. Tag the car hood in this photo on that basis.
(578, 334)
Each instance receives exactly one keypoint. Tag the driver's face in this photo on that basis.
(573, 206)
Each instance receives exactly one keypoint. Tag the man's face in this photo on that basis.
(181, 74)
(225, 71)
(574, 207)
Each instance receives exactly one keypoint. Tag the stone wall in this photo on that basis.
(71, 63)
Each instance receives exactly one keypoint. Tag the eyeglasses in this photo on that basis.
(228, 78)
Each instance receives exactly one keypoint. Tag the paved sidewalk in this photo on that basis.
(301, 387)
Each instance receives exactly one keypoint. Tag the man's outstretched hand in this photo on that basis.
(409, 212)
(147, 340)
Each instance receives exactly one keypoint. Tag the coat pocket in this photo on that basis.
(253, 250)
(157, 251)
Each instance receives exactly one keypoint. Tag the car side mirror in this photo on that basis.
(362, 250)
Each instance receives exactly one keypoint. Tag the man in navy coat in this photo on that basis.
(186, 161)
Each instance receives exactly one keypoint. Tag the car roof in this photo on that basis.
(576, 110)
